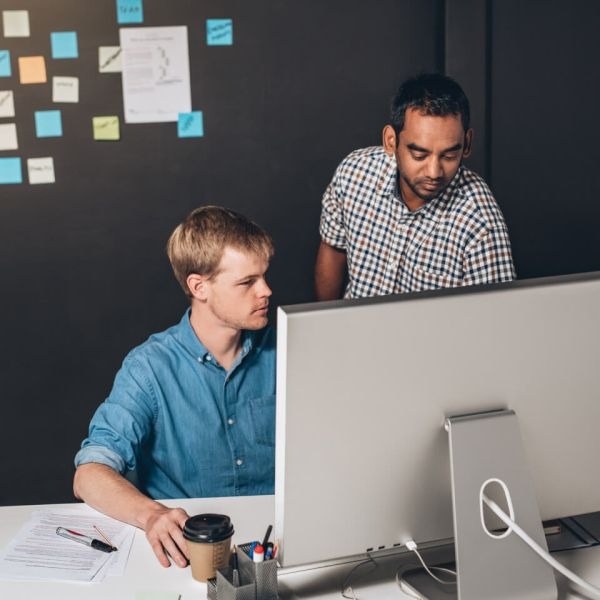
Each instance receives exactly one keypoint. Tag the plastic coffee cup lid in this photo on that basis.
(208, 528)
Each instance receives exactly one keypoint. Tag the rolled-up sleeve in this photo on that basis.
(122, 422)
(332, 228)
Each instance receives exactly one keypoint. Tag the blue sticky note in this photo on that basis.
(130, 11)
(10, 170)
(190, 124)
(64, 44)
(48, 123)
(5, 70)
(219, 32)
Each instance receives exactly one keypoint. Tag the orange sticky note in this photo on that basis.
(32, 69)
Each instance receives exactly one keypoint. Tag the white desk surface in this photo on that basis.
(250, 516)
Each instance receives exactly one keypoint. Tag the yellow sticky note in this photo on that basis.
(106, 128)
(32, 69)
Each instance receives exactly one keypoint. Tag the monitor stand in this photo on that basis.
(484, 448)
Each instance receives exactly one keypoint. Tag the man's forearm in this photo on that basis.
(109, 492)
(329, 272)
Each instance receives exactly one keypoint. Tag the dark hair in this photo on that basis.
(431, 94)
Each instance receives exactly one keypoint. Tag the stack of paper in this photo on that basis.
(38, 553)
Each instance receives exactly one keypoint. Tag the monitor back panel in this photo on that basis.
(363, 389)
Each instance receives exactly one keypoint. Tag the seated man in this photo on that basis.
(407, 216)
(192, 409)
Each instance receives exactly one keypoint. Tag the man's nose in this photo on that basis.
(264, 290)
(434, 168)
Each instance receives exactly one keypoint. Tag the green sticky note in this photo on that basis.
(157, 596)
(106, 128)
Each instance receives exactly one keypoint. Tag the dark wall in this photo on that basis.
(82, 264)
(545, 85)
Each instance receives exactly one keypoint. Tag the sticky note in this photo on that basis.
(110, 59)
(40, 170)
(16, 23)
(5, 70)
(7, 104)
(8, 136)
(190, 124)
(219, 32)
(130, 11)
(64, 44)
(65, 89)
(106, 128)
(10, 170)
(32, 69)
(48, 123)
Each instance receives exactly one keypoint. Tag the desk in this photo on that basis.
(250, 515)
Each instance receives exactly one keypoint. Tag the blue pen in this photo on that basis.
(251, 551)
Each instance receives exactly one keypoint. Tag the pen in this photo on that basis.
(84, 539)
(267, 534)
(236, 573)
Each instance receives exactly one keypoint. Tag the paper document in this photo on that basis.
(38, 553)
(156, 74)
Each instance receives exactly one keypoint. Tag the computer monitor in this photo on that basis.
(364, 388)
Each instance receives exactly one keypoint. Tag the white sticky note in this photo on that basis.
(109, 59)
(8, 137)
(7, 104)
(41, 170)
(65, 89)
(16, 23)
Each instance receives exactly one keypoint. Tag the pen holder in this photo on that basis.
(227, 591)
(259, 580)
(263, 573)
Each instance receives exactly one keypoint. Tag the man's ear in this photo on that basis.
(197, 284)
(468, 143)
(389, 140)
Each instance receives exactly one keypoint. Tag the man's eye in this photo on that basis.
(419, 156)
(247, 282)
(450, 156)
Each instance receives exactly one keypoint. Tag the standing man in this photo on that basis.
(192, 409)
(408, 216)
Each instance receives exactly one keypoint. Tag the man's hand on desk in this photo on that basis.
(163, 527)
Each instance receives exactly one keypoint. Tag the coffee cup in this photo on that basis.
(208, 538)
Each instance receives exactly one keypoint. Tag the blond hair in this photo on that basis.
(197, 244)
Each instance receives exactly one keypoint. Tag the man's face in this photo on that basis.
(429, 153)
(238, 296)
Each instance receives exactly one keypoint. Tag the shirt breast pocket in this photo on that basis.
(262, 413)
(430, 280)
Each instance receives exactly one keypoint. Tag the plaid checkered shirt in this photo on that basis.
(459, 238)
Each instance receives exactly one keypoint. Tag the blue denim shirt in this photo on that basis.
(188, 427)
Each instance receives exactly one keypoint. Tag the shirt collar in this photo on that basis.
(187, 336)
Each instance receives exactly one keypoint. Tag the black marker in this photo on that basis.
(267, 535)
(236, 573)
(84, 539)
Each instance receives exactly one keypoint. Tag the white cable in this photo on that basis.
(595, 591)
(412, 546)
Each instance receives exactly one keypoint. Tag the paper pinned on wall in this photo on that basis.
(65, 89)
(156, 74)
(106, 128)
(109, 59)
(32, 69)
(130, 11)
(64, 44)
(5, 68)
(219, 32)
(7, 104)
(8, 137)
(40, 170)
(48, 123)
(16, 23)
(190, 124)
(10, 170)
